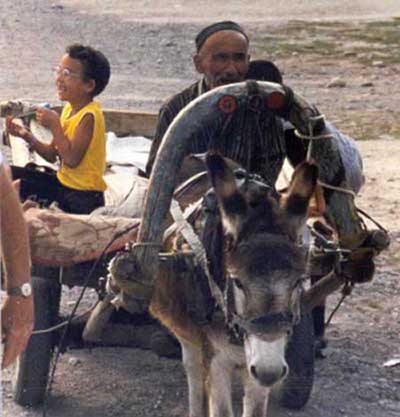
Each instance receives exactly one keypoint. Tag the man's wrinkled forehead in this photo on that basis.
(225, 41)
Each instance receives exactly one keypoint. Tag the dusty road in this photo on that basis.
(144, 41)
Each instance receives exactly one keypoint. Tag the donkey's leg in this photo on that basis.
(255, 400)
(219, 387)
(192, 358)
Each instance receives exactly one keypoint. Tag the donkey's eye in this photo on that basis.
(240, 174)
(237, 284)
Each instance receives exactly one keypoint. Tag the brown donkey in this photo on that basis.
(262, 273)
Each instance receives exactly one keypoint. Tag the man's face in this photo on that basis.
(223, 59)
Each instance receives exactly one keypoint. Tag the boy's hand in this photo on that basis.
(15, 129)
(47, 118)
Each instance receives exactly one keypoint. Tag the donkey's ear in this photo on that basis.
(231, 202)
(296, 199)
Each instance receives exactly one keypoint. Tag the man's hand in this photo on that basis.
(48, 118)
(17, 319)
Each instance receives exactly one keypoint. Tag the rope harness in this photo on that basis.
(237, 325)
(327, 245)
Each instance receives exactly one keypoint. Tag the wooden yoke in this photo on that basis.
(210, 109)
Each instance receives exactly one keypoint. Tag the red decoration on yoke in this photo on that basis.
(227, 104)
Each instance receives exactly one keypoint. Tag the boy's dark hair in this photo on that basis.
(261, 70)
(95, 65)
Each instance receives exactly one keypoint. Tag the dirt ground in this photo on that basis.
(341, 55)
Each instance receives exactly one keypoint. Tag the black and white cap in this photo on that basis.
(205, 33)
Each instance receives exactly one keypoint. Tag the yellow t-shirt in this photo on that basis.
(88, 175)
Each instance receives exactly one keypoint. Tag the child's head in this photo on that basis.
(95, 68)
(262, 70)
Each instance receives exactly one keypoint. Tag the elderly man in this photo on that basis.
(259, 142)
(222, 57)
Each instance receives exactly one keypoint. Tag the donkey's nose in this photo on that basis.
(269, 377)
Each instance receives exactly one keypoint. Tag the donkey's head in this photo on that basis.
(263, 263)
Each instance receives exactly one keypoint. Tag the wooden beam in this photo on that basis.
(130, 122)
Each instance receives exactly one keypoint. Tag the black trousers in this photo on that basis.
(41, 185)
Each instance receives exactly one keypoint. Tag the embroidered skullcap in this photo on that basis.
(205, 33)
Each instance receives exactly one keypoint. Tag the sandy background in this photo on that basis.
(149, 44)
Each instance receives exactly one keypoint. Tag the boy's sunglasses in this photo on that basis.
(65, 72)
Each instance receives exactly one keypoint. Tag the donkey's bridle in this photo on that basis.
(261, 326)
(238, 326)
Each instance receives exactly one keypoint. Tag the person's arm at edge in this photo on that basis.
(17, 311)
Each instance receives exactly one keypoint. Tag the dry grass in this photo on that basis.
(368, 125)
(353, 44)
(364, 42)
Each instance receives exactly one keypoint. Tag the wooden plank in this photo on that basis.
(121, 122)
(130, 122)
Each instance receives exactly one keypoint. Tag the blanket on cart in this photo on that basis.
(63, 239)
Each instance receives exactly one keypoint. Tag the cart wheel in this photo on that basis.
(296, 388)
(31, 369)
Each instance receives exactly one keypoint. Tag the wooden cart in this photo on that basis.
(31, 370)
(31, 381)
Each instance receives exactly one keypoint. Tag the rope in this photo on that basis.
(335, 309)
(371, 219)
(312, 137)
(198, 249)
(339, 189)
(70, 318)
(62, 324)
(346, 291)
(147, 244)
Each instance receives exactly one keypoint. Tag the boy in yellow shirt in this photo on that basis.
(78, 136)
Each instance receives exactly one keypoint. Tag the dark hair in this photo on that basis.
(95, 65)
(205, 33)
(261, 70)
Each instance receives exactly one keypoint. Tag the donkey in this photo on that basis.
(263, 270)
